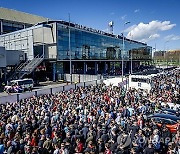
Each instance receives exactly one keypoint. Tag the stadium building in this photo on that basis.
(12, 20)
(51, 46)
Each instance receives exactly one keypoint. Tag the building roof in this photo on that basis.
(17, 16)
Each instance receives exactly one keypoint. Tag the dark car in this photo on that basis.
(169, 111)
(170, 120)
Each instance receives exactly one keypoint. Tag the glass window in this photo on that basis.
(95, 46)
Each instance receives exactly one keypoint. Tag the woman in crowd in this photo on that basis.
(93, 119)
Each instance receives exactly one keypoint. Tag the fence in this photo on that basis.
(81, 77)
(17, 97)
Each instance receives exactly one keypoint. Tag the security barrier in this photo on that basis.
(17, 97)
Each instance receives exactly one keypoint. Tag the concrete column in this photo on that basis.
(105, 67)
(85, 67)
(96, 68)
(113, 68)
(72, 68)
(54, 71)
(1, 28)
(5, 75)
(0, 73)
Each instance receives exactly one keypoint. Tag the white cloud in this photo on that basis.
(172, 37)
(151, 37)
(146, 32)
(123, 17)
(130, 28)
(136, 11)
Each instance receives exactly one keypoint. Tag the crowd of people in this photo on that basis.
(97, 119)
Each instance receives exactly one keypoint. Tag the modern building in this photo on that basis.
(12, 20)
(51, 48)
(92, 51)
(171, 56)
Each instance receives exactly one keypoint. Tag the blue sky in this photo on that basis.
(151, 21)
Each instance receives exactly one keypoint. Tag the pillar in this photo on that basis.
(113, 68)
(85, 67)
(72, 68)
(1, 27)
(96, 68)
(105, 67)
(0, 73)
(5, 75)
(54, 72)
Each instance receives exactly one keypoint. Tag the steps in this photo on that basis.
(26, 67)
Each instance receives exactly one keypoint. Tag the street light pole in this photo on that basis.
(123, 51)
(131, 53)
(70, 64)
(165, 53)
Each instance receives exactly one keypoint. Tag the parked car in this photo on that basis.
(19, 85)
(169, 111)
(170, 121)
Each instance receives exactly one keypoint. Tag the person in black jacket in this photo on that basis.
(149, 149)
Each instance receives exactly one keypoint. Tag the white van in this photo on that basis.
(24, 83)
(140, 82)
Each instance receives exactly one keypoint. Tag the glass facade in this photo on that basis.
(8, 27)
(92, 46)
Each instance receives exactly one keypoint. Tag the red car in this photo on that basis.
(171, 121)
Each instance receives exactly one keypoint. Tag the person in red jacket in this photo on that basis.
(140, 122)
(79, 146)
(34, 140)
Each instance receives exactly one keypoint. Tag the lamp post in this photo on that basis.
(153, 58)
(43, 42)
(70, 63)
(165, 53)
(131, 53)
(123, 50)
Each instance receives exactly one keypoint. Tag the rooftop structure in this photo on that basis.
(12, 20)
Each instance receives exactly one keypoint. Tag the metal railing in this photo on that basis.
(17, 97)
(31, 65)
